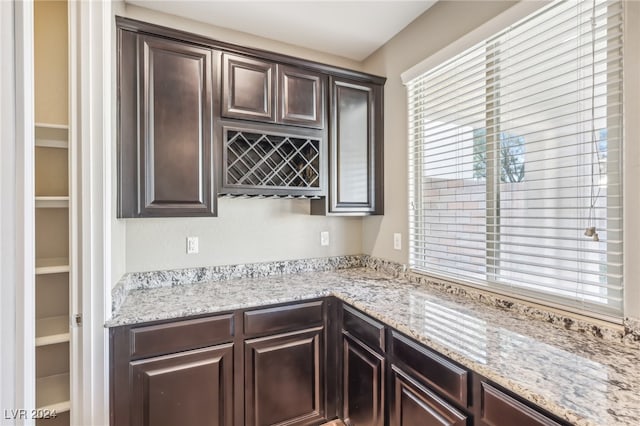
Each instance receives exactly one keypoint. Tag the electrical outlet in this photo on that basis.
(324, 238)
(397, 241)
(192, 245)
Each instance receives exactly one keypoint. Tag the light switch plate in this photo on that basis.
(397, 241)
(324, 238)
(192, 245)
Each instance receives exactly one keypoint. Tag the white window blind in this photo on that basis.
(515, 160)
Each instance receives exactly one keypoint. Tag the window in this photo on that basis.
(515, 160)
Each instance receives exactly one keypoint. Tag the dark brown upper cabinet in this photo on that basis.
(248, 88)
(257, 90)
(199, 117)
(355, 150)
(301, 97)
(165, 127)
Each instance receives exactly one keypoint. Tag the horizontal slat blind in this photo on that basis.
(516, 151)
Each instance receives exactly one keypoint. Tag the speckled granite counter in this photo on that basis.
(579, 377)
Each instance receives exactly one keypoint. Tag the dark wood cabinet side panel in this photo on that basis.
(414, 405)
(127, 124)
(119, 390)
(284, 379)
(363, 382)
(176, 128)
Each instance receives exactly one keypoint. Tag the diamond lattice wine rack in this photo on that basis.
(258, 163)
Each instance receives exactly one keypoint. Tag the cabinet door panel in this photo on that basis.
(415, 405)
(363, 381)
(247, 88)
(356, 149)
(192, 388)
(284, 378)
(500, 409)
(176, 129)
(301, 95)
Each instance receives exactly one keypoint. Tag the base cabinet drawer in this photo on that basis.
(431, 367)
(284, 379)
(500, 409)
(193, 388)
(412, 404)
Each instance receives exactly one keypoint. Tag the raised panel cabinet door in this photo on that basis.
(248, 88)
(284, 379)
(175, 130)
(301, 97)
(193, 388)
(363, 384)
(500, 409)
(355, 148)
(414, 405)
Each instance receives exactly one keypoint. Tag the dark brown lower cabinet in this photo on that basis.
(363, 383)
(193, 388)
(412, 404)
(284, 379)
(297, 364)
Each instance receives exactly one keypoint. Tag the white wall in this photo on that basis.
(247, 230)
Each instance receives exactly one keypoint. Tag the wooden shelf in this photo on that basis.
(48, 202)
(52, 330)
(52, 393)
(54, 265)
(52, 135)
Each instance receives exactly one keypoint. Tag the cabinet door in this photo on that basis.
(301, 97)
(356, 148)
(193, 388)
(414, 405)
(165, 128)
(284, 379)
(500, 409)
(248, 88)
(363, 383)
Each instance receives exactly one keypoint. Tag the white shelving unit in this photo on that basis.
(52, 202)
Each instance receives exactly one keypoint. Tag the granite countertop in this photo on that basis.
(577, 376)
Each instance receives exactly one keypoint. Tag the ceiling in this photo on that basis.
(352, 29)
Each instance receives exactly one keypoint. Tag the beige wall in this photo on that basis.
(247, 230)
(51, 81)
(439, 26)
